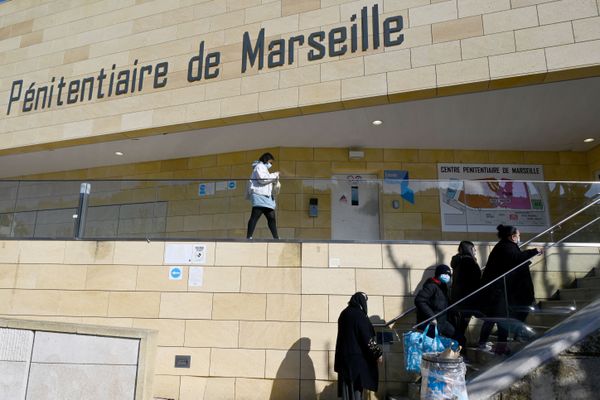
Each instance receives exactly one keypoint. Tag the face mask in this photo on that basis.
(269, 165)
(445, 278)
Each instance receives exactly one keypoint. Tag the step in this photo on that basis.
(592, 282)
(562, 304)
(544, 319)
(578, 294)
(479, 357)
(414, 390)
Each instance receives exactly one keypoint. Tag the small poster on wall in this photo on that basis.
(478, 197)
(185, 253)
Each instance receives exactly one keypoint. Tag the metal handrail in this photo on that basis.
(504, 275)
(594, 202)
(386, 324)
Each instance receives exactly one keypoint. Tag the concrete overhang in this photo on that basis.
(546, 117)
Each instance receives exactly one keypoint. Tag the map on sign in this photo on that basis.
(495, 194)
(476, 198)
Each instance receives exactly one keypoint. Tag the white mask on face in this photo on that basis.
(269, 165)
(445, 278)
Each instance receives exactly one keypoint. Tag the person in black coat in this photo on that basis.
(433, 298)
(355, 358)
(466, 278)
(512, 300)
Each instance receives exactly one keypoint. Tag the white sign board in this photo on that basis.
(185, 253)
(478, 197)
(196, 277)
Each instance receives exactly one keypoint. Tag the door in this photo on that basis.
(355, 207)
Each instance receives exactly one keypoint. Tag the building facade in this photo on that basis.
(158, 104)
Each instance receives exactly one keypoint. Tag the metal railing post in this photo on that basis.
(84, 193)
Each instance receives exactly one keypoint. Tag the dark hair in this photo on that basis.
(506, 231)
(265, 158)
(442, 269)
(465, 248)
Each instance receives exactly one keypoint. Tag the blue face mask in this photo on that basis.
(269, 165)
(445, 278)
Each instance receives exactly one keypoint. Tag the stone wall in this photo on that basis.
(263, 323)
(67, 361)
(449, 47)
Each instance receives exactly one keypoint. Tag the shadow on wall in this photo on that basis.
(404, 270)
(329, 393)
(296, 363)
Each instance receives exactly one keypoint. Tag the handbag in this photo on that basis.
(416, 343)
(375, 349)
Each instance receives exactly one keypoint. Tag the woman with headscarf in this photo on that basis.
(433, 298)
(466, 277)
(260, 191)
(510, 301)
(356, 353)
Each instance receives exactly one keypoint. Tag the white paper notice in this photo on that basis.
(206, 189)
(176, 253)
(185, 253)
(334, 263)
(221, 186)
(199, 254)
(196, 276)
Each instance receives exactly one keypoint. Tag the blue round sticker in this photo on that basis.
(175, 273)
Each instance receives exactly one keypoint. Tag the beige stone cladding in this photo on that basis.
(264, 322)
(447, 47)
(178, 211)
(41, 357)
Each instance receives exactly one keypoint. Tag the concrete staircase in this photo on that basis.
(550, 313)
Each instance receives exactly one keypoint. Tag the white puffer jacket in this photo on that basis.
(261, 181)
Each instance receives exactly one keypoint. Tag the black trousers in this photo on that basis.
(349, 390)
(463, 322)
(269, 214)
(503, 326)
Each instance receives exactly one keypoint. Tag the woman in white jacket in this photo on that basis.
(261, 194)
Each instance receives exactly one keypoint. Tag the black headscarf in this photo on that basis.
(465, 248)
(359, 300)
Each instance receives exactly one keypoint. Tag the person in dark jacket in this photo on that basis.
(355, 360)
(433, 298)
(512, 300)
(465, 280)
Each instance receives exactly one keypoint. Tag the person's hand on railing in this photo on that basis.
(433, 322)
(380, 360)
(540, 250)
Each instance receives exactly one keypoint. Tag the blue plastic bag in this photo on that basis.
(416, 343)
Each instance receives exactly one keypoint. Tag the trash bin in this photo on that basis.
(443, 378)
